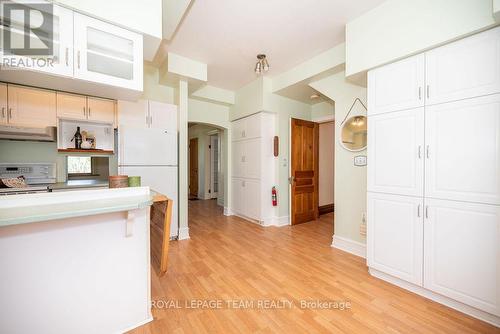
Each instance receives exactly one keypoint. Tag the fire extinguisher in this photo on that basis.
(274, 196)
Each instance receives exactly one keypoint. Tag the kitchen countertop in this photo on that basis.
(73, 184)
(30, 208)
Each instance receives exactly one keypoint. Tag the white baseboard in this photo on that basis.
(128, 329)
(473, 312)
(277, 221)
(183, 233)
(228, 211)
(349, 246)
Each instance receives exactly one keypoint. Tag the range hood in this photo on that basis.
(27, 133)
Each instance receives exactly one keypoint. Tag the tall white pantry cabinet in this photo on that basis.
(434, 174)
(253, 167)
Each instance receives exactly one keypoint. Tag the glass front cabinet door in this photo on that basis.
(107, 54)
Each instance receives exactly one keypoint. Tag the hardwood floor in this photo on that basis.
(230, 259)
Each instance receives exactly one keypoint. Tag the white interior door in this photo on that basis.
(133, 114)
(163, 116)
(396, 151)
(463, 150)
(395, 235)
(464, 69)
(214, 165)
(397, 86)
(107, 54)
(163, 180)
(152, 147)
(462, 252)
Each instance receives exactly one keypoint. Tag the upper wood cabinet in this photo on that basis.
(3, 103)
(397, 86)
(396, 151)
(31, 106)
(108, 54)
(71, 106)
(100, 110)
(475, 59)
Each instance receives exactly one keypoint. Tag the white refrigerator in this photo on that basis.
(147, 139)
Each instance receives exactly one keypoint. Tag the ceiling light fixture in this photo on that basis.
(315, 96)
(262, 65)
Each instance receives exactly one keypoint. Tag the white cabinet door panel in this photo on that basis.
(395, 235)
(252, 158)
(133, 152)
(238, 159)
(462, 252)
(252, 199)
(31, 107)
(133, 114)
(162, 179)
(397, 86)
(253, 126)
(237, 196)
(396, 152)
(464, 69)
(463, 155)
(238, 129)
(163, 116)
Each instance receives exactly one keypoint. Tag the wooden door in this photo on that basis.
(395, 235)
(193, 167)
(396, 86)
(464, 69)
(71, 106)
(304, 171)
(396, 152)
(463, 150)
(31, 106)
(462, 252)
(101, 110)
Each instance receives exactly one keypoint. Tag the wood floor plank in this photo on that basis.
(228, 258)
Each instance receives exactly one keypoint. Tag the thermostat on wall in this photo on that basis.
(360, 160)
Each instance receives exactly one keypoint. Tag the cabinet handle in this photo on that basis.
(419, 151)
(78, 59)
(420, 93)
(242, 183)
(9, 113)
(3, 112)
(89, 112)
(427, 152)
(418, 211)
(66, 56)
(151, 120)
(84, 112)
(426, 212)
(427, 91)
(243, 134)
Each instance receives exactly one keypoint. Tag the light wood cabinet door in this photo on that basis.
(397, 86)
(396, 152)
(3, 103)
(395, 235)
(464, 69)
(31, 107)
(462, 252)
(463, 150)
(107, 54)
(100, 110)
(71, 106)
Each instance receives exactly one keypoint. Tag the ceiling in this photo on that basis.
(228, 34)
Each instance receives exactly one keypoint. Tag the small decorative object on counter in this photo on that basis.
(118, 181)
(134, 181)
(77, 137)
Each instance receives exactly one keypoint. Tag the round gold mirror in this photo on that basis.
(353, 133)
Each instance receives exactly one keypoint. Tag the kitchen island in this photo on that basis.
(75, 262)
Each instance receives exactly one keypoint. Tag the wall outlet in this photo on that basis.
(362, 227)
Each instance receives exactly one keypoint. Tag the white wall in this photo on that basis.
(398, 28)
(326, 163)
(349, 181)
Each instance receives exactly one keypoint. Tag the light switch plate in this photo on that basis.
(360, 160)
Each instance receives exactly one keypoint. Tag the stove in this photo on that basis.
(38, 176)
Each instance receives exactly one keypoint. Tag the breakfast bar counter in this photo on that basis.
(75, 262)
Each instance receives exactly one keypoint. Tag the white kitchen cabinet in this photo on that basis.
(397, 86)
(462, 252)
(396, 151)
(395, 235)
(163, 116)
(100, 110)
(464, 69)
(148, 114)
(31, 106)
(71, 106)
(133, 114)
(3, 103)
(463, 150)
(253, 166)
(107, 54)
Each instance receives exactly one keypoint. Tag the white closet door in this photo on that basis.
(237, 195)
(395, 235)
(396, 152)
(397, 86)
(463, 150)
(252, 158)
(163, 116)
(252, 199)
(238, 159)
(464, 69)
(462, 252)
